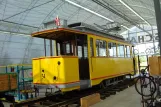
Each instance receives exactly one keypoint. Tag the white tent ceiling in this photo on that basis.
(26, 16)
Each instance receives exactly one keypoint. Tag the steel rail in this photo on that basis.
(73, 97)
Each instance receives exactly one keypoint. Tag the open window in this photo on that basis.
(112, 49)
(120, 50)
(65, 47)
(127, 50)
(74, 45)
(101, 48)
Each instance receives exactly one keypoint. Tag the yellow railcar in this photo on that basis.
(83, 58)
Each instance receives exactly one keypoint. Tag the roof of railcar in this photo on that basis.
(53, 33)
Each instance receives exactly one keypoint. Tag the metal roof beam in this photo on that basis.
(126, 5)
(95, 13)
(27, 10)
(19, 24)
(119, 14)
(12, 32)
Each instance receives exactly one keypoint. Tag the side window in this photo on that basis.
(120, 50)
(91, 47)
(58, 49)
(101, 48)
(97, 47)
(128, 51)
(67, 48)
(112, 49)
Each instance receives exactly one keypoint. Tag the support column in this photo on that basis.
(158, 19)
(153, 39)
(128, 35)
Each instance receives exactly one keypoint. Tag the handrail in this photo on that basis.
(16, 65)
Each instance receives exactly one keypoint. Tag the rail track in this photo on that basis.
(70, 98)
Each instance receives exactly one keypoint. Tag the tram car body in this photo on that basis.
(84, 57)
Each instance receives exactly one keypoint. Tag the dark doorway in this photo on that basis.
(82, 50)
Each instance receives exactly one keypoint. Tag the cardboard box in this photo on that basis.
(155, 65)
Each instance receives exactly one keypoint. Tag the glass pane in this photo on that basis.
(112, 49)
(91, 47)
(97, 47)
(79, 51)
(120, 50)
(128, 51)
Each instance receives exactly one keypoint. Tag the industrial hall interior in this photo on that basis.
(80, 53)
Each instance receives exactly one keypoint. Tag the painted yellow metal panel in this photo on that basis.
(107, 67)
(136, 65)
(56, 71)
(71, 69)
(36, 70)
(50, 69)
(104, 68)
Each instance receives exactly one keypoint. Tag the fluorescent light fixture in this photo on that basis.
(97, 14)
(134, 12)
(14, 33)
(75, 4)
(125, 27)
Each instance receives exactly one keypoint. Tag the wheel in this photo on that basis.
(102, 85)
(145, 86)
(152, 78)
(149, 104)
(148, 51)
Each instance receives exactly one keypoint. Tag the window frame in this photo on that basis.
(111, 43)
(118, 51)
(98, 46)
(91, 47)
(129, 51)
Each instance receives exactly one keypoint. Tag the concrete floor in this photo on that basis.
(127, 98)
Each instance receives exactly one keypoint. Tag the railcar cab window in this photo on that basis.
(101, 49)
(65, 48)
(127, 49)
(112, 49)
(120, 50)
(58, 48)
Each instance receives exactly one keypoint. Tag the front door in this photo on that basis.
(83, 63)
(82, 52)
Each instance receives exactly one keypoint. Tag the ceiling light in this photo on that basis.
(134, 12)
(75, 4)
(125, 27)
(14, 33)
